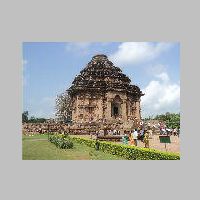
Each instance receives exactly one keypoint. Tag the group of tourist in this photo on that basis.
(164, 130)
(168, 131)
(137, 134)
(143, 132)
(109, 132)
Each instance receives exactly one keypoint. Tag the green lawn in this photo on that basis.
(39, 148)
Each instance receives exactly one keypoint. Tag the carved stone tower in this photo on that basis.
(102, 93)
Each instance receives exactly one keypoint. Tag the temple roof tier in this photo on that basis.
(100, 74)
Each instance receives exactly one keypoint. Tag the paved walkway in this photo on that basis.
(174, 146)
(154, 143)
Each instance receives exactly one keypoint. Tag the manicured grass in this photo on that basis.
(39, 148)
(39, 136)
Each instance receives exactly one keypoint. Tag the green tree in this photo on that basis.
(63, 107)
(36, 120)
(25, 116)
(172, 120)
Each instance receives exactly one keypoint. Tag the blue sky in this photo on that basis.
(50, 67)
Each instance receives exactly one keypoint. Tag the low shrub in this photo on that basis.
(128, 152)
(61, 141)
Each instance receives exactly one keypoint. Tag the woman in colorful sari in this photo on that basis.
(146, 139)
(131, 138)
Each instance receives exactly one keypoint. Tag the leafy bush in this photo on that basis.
(61, 141)
(128, 152)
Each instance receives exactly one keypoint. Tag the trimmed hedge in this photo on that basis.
(128, 152)
(61, 141)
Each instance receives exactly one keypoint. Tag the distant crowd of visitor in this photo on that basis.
(167, 131)
(143, 132)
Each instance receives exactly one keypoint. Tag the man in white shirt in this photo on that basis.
(135, 136)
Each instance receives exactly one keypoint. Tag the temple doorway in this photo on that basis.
(116, 106)
(116, 110)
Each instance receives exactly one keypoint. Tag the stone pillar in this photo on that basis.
(108, 109)
(127, 108)
(75, 109)
(104, 106)
(123, 110)
(137, 113)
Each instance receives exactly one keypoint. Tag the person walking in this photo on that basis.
(142, 134)
(125, 139)
(135, 136)
(146, 139)
(178, 132)
(175, 132)
(150, 133)
(131, 138)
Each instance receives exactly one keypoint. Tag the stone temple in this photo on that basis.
(102, 94)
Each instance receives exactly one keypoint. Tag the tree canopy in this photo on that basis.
(172, 120)
(32, 119)
(25, 116)
(63, 107)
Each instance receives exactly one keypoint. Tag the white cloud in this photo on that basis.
(156, 69)
(137, 52)
(78, 47)
(163, 76)
(84, 48)
(104, 43)
(161, 96)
